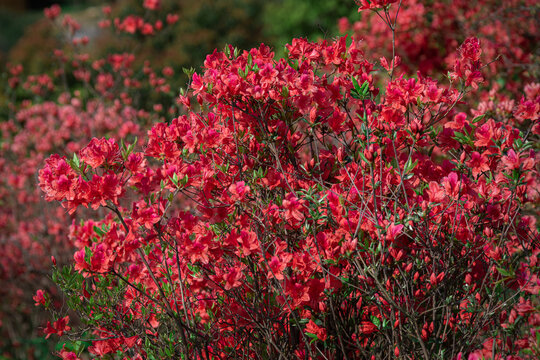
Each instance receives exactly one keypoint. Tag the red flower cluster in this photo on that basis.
(426, 33)
(306, 213)
(373, 4)
(59, 327)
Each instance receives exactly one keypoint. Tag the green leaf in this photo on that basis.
(360, 92)
(76, 160)
(174, 179)
(356, 85)
(75, 163)
(285, 92)
(241, 73)
(189, 72)
(363, 157)
(505, 272)
(409, 165)
(184, 180)
(364, 89)
(376, 321)
(98, 231)
(478, 118)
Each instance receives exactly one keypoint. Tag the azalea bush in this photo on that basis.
(424, 35)
(316, 206)
(76, 75)
(330, 204)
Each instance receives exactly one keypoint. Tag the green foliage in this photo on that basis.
(286, 19)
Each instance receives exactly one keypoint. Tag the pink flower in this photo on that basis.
(239, 191)
(373, 4)
(367, 327)
(393, 231)
(40, 298)
(53, 12)
(59, 327)
(293, 208)
(313, 328)
(100, 151)
(152, 4)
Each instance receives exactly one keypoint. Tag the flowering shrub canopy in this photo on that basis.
(316, 206)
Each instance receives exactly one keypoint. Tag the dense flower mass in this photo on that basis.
(312, 207)
(424, 35)
(316, 206)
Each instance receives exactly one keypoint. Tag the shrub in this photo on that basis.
(426, 34)
(315, 206)
(76, 76)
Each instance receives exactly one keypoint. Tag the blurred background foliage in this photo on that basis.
(203, 26)
(315, 19)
